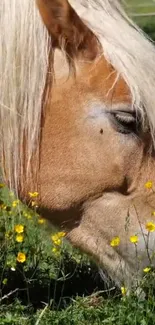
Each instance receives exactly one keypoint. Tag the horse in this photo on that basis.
(77, 112)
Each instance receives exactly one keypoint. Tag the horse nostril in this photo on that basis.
(101, 131)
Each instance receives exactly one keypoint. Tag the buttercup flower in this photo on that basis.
(134, 239)
(61, 234)
(19, 229)
(15, 203)
(147, 269)
(115, 242)
(149, 184)
(34, 204)
(41, 221)
(56, 251)
(57, 241)
(2, 185)
(150, 226)
(57, 238)
(19, 238)
(21, 257)
(33, 194)
(124, 291)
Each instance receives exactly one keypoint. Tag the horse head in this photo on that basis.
(97, 133)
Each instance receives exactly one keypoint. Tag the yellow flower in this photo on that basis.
(19, 238)
(21, 257)
(33, 194)
(134, 239)
(56, 251)
(57, 238)
(41, 221)
(115, 242)
(34, 204)
(149, 184)
(15, 203)
(54, 237)
(150, 226)
(153, 213)
(19, 229)
(58, 235)
(58, 242)
(2, 185)
(61, 234)
(147, 269)
(124, 291)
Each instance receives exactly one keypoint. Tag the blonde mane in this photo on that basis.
(24, 52)
(23, 70)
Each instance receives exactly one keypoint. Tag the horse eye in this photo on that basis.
(125, 122)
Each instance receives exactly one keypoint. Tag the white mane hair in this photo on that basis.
(24, 53)
(23, 71)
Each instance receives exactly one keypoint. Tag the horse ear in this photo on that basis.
(67, 29)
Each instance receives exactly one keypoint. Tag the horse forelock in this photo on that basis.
(24, 52)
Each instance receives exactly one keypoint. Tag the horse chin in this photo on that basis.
(63, 217)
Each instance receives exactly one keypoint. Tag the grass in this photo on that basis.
(44, 281)
(38, 267)
(35, 257)
(141, 7)
(147, 23)
(92, 310)
(140, 4)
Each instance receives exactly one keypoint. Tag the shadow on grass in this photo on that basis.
(81, 280)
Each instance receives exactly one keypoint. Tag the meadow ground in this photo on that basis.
(143, 12)
(43, 280)
(141, 6)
